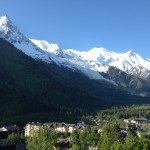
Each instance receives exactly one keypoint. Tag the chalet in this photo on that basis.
(61, 127)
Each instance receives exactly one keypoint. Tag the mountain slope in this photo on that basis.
(130, 83)
(127, 70)
(11, 33)
(28, 86)
(43, 51)
(100, 59)
(35, 91)
(91, 63)
(129, 62)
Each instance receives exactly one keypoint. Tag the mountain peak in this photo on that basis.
(130, 51)
(6, 25)
(48, 47)
(4, 18)
(99, 50)
(10, 32)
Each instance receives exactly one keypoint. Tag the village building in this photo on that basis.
(10, 129)
(4, 132)
(61, 127)
(30, 128)
(139, 120)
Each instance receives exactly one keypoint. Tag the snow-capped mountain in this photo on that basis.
(11, 33)
(41, 50)
(92, 63)
(100, 59)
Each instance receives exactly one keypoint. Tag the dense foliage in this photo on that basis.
(82, 139)
(111, 139)
(125, 112)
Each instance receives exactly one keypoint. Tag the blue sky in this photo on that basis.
(117, 25)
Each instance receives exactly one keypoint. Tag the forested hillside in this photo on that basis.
(34, 91)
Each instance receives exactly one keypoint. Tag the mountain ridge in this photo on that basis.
(32, 90)
(93, 63)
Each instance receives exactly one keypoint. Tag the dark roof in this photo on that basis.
(55, 124)
(11, 128)
(140, 119)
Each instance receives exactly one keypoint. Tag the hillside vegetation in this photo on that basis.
(33, 91)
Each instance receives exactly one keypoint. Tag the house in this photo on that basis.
(81, 127)
(10, 129)
(143, 132)
(100, 130)
(139, 120)
(71, 128)
(92, 148)
(30, 128)
(4, 132)
(80, 123)
(53, 126)
(97, 122)
(49, 125)
(127, 120)
(64, 127)
(61, 127)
